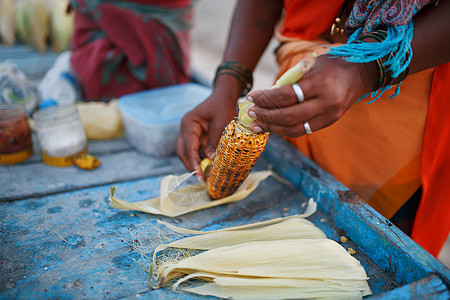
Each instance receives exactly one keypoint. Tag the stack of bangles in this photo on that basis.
(238, 70)
(385, 75)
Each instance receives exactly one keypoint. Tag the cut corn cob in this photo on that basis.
(239, 148)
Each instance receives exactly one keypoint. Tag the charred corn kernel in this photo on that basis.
(235, 157)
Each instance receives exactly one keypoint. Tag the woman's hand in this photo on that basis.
(330, 89)
(201, 129)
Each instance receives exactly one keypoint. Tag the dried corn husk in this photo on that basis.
(296, 72)
(289, 77)
(22, 23)
(100, 120)
(311, 208)
(61, 24)
(259, 289)
(280, 269)
(38, 24)
(35, 21)
(293, 227)
(7, 26)
(283, 258)
(176, 199)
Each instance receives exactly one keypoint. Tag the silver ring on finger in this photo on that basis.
(307, 127)
(298, 92)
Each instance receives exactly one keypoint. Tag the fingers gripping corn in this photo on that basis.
(239, 148)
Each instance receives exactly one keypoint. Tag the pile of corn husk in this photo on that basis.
(35, 23)
(284, 258)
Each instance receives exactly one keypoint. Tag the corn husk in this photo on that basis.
(289, 77)
(296, 72)
(311, 208)
(38, 24)
(61, 24)
(293, 227)
(259, 289)
(22, 23)
(34, 22)
(100, 120)
(7, 26)
(177, 199)
(280, 269)
(282, 258)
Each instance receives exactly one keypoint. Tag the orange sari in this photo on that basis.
(386, 150)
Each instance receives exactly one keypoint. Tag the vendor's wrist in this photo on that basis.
(237, 73)
(370, 75)
(228, 87)
(386, 77)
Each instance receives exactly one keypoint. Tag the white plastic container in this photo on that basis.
(151, 119)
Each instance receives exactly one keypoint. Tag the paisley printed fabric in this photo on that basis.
(371, 15)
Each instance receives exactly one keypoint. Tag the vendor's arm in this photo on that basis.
(251, 31)
(333, 85)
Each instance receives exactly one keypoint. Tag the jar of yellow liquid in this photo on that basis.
(60, 134)
(16, 144)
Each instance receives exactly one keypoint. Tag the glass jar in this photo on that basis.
(60, 133)
(16, 144)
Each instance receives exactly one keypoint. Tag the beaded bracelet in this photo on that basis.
(238, 70)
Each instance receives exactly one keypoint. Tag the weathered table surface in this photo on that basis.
(61, 239)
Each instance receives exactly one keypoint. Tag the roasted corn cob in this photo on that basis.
(238, 151)
(239, 148)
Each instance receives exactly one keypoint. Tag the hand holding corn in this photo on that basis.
(239, 148)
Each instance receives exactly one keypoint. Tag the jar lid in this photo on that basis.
(55, 114)
(12, 112)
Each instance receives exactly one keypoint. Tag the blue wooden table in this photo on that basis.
(61, 239)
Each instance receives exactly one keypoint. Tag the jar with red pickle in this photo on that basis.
(16, 144)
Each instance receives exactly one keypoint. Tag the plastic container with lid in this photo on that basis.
(60, 133)
(151, 119)
(16, 144)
